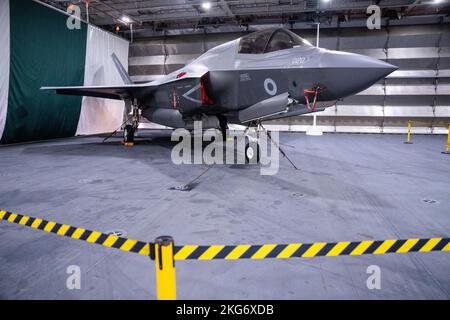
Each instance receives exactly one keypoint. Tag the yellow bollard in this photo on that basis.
(408, 136)
(165, 269)
(447, 148)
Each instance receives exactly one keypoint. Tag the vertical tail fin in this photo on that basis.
(123, 73)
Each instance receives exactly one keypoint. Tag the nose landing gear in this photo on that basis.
(252, 149)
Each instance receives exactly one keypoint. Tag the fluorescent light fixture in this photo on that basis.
(206, 5)
(126, 19)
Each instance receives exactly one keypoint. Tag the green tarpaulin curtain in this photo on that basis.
(43, 52)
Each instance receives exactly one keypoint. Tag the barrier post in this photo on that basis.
(165, 269)
(408, 136)
(447, 148)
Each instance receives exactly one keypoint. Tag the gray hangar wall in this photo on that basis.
(419, 90)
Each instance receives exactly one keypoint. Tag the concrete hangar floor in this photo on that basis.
(349, 188)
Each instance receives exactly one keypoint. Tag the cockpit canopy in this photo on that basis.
(270, 40)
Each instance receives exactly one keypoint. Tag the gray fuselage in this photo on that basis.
(234, 81)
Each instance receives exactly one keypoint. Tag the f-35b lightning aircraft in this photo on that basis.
(265, 75)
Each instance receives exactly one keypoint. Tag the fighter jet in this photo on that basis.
(265, 75)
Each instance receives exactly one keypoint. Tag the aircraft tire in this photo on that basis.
(128, 133)
(252, 156)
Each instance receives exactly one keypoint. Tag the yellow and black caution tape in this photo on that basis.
(236, 252)
(310, 250)
(64, 230)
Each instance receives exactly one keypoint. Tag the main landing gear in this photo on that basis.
(223, 123)
(128, 135)
(131, 125)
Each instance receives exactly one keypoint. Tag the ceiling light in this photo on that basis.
(206, 5)
(125, 19)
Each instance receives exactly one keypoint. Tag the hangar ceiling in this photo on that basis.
(162, 17)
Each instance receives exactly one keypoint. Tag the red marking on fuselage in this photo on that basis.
(206, 100)
(174, 98)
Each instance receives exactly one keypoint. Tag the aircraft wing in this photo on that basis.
(121, 92)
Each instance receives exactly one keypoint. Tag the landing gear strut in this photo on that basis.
(128, 134)
(223, 126)
(132, 124)
(252, 150)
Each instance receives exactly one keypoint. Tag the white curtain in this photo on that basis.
(102, 115)
(4, 62)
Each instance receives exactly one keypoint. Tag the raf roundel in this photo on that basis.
(270, 86)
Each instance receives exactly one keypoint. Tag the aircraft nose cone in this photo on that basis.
(350, 73)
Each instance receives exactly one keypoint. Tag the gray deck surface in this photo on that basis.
(355, 187)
